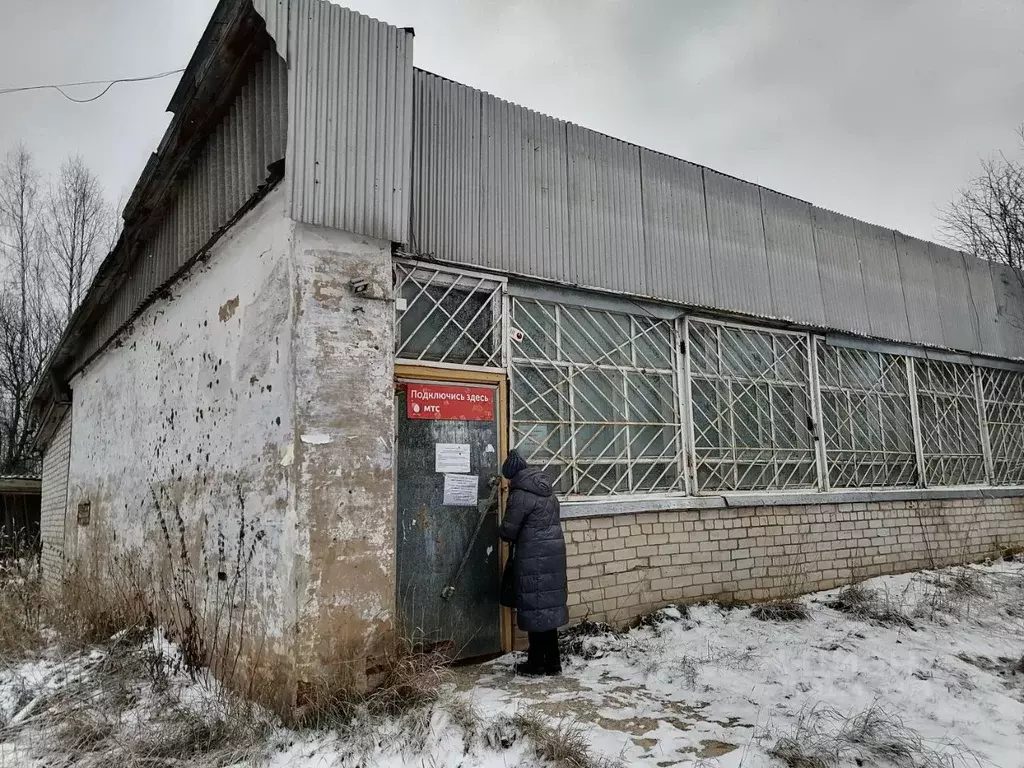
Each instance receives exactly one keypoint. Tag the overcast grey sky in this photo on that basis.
(876, 108)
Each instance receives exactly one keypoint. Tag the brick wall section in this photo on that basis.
(56, 461)
(626, 565)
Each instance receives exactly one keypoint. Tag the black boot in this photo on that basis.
(552, 656)
(535, 657)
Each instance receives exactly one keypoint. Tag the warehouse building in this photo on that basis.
(346, 286)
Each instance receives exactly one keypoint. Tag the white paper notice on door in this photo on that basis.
(461, 490)
(451, 457)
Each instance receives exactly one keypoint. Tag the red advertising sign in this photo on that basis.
(449, 403)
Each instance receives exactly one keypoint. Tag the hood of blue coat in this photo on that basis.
(532, 480)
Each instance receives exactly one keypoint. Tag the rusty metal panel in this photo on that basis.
(839, 267)
(883, 288)
(983, 299)
(525, 223)
(739, 261)
(918, 278)
(678, 254)
(957, 314)
(226, 173)
(446, 179)
(606, 244)
(1008, 288)
(350, 83)
(792, 263)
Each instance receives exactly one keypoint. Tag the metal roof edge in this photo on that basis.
(200, 97)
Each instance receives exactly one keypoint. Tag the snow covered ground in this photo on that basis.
(919, 670)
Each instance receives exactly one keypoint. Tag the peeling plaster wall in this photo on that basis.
(183, 447)
(344, 418)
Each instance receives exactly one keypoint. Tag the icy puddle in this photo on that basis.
(625, 718)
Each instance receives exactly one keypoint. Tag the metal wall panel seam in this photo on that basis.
(792, 259)
(739, 259)
(674, 217)
(707, 225)
(838, 295)
(957, 314)
(918, 280)
(767, 261)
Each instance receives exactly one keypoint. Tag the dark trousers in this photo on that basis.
(543, 651)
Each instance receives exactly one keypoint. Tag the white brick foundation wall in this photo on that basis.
(624, 565)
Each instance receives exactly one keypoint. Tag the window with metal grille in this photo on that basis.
(449, 317)
(866, 418)
(751, 408)
(1003, 394)
(947, 402)
(595, 399)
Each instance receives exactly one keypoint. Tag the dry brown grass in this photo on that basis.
(122, 703)
(823, 737)
(21, 609)
(869, 605)
(409, 680)
(781, 610)
(564, 744)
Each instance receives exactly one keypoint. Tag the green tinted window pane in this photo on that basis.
(595, 337)
(653, 345)
(537, 322)
(442, 324)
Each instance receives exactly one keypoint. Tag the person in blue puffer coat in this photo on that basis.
(533, 524)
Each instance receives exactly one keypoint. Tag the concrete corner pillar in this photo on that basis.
(344, 450)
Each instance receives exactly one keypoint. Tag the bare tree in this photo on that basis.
(80, 228)
(986, 217)
(28, 323)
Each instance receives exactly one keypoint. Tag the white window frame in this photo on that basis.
(568, 453)
(451, 277)
(813, 481)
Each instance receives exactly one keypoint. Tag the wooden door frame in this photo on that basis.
(500, 380)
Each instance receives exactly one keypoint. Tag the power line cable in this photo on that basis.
(109, 83)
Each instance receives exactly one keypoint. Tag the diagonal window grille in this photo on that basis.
(450, 317)
(751, 408)
(594, 399)
(950, 428)
(866, 415)
(1003, 393)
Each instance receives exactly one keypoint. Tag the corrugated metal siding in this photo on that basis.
(738, 258)
(839, 267)
(883, 286)
(350, 82)
(502, 187)
(227, 172)
(979, 276)
(1009, 298)
(606, 241)
(525, 227)
(676, 230)
(919, 289)
(53, 511)
(446, 180)
(792, 262)
(959, 321)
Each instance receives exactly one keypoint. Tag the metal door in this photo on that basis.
(433, 537)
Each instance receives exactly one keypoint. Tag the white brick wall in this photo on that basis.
(626, 565)
(56, 462)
